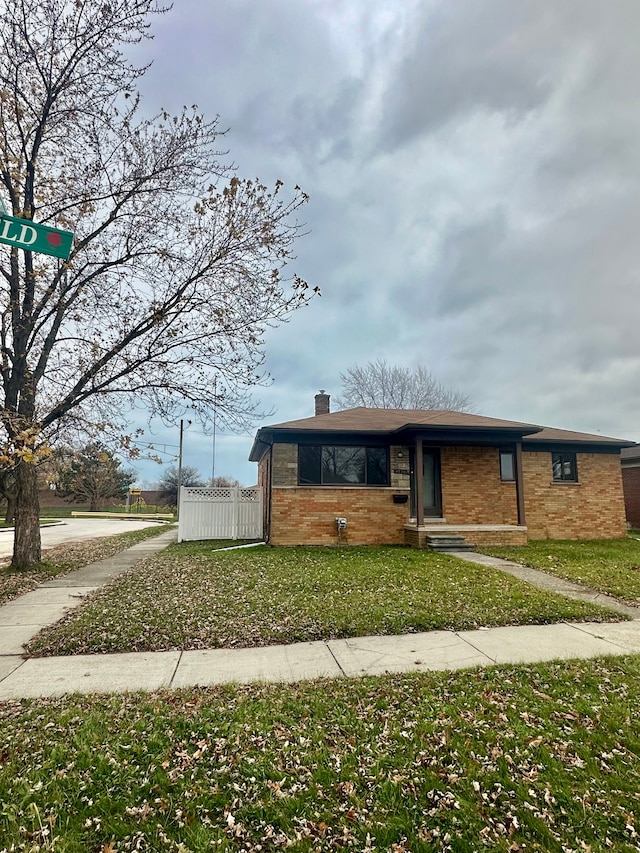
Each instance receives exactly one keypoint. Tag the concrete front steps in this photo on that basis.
(478, 535)
(447, 542)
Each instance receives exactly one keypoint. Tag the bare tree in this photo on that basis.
(177, 267)
(224, 482)
(379, 385)
(168, 485)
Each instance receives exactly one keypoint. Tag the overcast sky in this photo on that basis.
(473, 169)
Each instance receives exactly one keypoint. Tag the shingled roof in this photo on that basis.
(566, 435)
(387, 422)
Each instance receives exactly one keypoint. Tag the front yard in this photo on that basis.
(191, 597)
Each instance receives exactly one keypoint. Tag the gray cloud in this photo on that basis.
(467, 58)
(474, 177)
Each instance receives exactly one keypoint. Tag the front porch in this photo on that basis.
(474, 534)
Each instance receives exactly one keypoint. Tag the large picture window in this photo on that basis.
(337, 465)
(564, 467)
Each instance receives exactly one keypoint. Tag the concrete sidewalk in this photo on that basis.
(436, 650)
(74, 530)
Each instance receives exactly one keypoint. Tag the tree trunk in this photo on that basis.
(10, 514)
(26, 545)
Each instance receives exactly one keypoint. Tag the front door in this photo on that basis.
(431, 488)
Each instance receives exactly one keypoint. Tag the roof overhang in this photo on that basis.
(573, 446)
(486, 432)
(490, 435)
(407, 434)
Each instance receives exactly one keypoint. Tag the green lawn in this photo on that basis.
(191, 597)
(65, 558)
(535, 758)
(608, 565)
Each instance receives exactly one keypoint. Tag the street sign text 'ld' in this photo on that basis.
(35, 237)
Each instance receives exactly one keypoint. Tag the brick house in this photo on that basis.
(631, 483)
(491, 481)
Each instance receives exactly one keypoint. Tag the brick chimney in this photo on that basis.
(322, 403)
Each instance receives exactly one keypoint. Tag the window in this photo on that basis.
(337, 465)
(564, 467)
(507, 465)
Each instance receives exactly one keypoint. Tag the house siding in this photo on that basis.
(593, 508)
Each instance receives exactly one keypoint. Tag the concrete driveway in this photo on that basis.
(75, 530)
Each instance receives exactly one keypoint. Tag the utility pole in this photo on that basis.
(213, 459)
(179, 468)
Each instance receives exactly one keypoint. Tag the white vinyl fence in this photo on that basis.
(220, 513)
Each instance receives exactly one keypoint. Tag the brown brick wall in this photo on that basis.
(631, 486)
(307, 515)
(472, 491)
(593, 508)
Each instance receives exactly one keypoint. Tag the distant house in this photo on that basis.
(631, 483)
(491, 481)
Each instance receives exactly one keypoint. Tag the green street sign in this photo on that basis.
(34, 237)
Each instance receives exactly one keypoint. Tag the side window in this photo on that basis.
(564, 467)
(309, 465)
(507, 465)
(377, 467)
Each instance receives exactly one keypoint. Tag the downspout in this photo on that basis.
(520, 485)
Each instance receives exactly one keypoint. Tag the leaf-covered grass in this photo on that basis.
(535, 758)
(190, 597)
(608, 565)
(66, 557)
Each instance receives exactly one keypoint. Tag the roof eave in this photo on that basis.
(467, 429)
(260, 446)
(611, 443)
